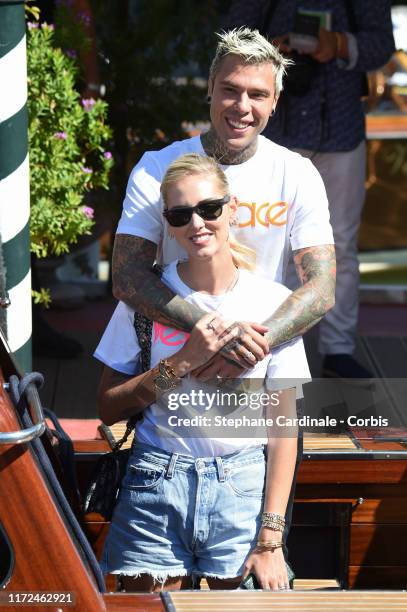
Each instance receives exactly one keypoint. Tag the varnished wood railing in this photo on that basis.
(45, 557)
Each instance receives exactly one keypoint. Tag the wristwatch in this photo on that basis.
(166, 378)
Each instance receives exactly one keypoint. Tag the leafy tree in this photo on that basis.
(155, 58)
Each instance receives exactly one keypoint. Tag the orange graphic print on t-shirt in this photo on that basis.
(263, 214)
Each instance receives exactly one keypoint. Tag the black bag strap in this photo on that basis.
(144, 329)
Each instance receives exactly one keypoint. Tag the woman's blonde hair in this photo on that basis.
(195, 164)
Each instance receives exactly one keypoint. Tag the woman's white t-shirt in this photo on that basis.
(252, 299)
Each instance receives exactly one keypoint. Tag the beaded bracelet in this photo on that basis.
(273, 521)
(273, 526)
(272, 516)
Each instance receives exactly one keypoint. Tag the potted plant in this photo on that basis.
(68, 139)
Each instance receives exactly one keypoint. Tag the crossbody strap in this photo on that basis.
(144, 331)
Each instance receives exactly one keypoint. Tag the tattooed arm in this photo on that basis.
(135, 284)
(316, 268)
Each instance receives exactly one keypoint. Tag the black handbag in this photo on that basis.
(103, 488)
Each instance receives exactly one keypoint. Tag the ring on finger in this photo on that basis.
(247, 354)
(210, 325)
(232, 344)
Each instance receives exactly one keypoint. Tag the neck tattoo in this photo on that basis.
(214, 147)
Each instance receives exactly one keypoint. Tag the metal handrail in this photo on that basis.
(28, 434)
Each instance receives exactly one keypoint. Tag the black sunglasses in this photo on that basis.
(207, 209)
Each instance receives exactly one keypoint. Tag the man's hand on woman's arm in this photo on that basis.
(316, 268)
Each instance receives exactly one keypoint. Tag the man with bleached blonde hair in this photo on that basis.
(253, 48)
(282, 202)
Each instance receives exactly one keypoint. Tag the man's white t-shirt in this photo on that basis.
(281, 194)
(252, 298)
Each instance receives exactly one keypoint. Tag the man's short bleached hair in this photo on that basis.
(252, 48)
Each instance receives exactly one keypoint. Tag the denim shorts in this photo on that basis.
(179, 515)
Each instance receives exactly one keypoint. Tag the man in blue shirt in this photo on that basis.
(323, 119)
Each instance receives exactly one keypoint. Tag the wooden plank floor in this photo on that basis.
(293, 601)
(70, 385)
(300, 584)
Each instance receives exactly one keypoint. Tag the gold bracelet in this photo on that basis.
(272, 516)
(273, 526)
(166, 379)
(269, 545)
(273, 521)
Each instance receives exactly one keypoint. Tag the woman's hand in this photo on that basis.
(209, 335)
(248, 347)
(269, 568)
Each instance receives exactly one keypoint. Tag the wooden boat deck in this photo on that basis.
(293, 601)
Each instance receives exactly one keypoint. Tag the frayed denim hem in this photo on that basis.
(159, 577)
(211, 575)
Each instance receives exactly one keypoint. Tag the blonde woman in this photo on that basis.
(194, 503)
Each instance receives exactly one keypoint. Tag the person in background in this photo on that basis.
(321, 116)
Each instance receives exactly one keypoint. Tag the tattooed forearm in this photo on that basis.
(316, 268)
(135, 284)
